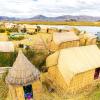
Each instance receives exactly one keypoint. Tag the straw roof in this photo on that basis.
(6, 47)
(39, 44)
(22, 72)
(64, 37)
(72, 61)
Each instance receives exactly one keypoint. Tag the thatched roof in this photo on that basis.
(6, 46)
(39, 44)
(22, 72)
(59, 38)
(72, 61)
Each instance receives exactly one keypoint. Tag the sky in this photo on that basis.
(50, 8)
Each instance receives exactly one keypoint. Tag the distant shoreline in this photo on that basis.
(59, 23)
(70, 23)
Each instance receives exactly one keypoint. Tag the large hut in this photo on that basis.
(74, 69)
(23, 80)
(63, 40)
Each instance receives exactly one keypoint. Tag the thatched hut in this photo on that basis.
(52, 30)
(39, 44)
(23, 79)
(87, 39)
(6, 46)
(91, 39)
(74, 69)
(63, 40)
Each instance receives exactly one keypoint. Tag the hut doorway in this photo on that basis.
(97, 73)
(28, 93)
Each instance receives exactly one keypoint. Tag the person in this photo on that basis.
(29, 96)
(47, 30)
(60, 30)
(38, 28)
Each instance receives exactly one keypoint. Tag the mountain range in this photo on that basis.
(59, 18)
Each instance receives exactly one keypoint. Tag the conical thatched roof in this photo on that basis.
(22, 72)
(39, 44)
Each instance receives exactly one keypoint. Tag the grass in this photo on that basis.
(89, 94)
(46, 95)
(7, 59)
(95, 95)
(3, 87)
(59, 23)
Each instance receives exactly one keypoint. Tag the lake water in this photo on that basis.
(90, 29)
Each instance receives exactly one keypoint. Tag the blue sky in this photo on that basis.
(29, 8)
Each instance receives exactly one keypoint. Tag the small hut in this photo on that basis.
(87, 39)
(63, 40)
(52, 30)
(23, 79)
(74, 69)
(91, 39)
(39, 44)
(6, 46)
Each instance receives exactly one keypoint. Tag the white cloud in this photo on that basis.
(29, 8)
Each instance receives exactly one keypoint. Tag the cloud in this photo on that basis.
(30, 8)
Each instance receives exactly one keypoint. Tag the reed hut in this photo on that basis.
(6, 46)
(74, 69)
(63, 40)
(39, 44)
(52, 30)
(82, 38)
(87, 39)
(91, 39)
(23, 80)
